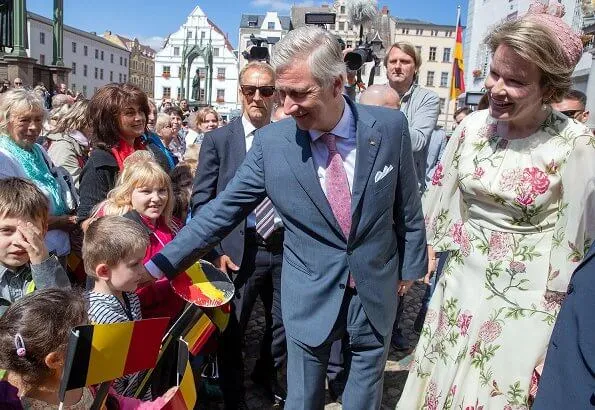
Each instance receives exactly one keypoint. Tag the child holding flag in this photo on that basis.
(34, 334)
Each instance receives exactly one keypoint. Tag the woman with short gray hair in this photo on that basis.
(512, 201)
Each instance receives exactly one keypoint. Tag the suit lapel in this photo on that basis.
(237, 143)
(299, 156)
(368, 142)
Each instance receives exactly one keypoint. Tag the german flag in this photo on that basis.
(204, 285)
(457, 83)
(185, 396)
(104, 352)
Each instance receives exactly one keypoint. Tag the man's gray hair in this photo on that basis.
(319, 48)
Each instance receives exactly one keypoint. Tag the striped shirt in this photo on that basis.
(109, 309)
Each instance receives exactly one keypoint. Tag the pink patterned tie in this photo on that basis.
(337, 188)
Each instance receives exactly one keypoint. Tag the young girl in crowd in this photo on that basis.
(143, 193)
(34, 334)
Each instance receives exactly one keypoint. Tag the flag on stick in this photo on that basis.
(185, 396)
(457, 83)
(104, 352)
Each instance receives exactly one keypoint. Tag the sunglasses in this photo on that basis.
(250, 90)
(571, 113)
(18, 83)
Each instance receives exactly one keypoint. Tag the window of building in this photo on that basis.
(111, 76)
(42, 59)
(349, 26)
(124, 76)
(111, 58)
(96, 72)
(202, 34)
(221, 73)
(215, 52)
(101, 74)
(419, 32)
(125, 62)
(73, 67)
(271, 25)
(176, 51)
(432, 56)
(349, 44)
(121, 60)
(41, 38)
(85, 51)
(434, 33)
(180, 72)
(73, 47)
(220, 95)
(331, 27)
(166, 71)
(442, 103)
(341, 26)
(85, 90)
(101, 55)
(446, 55)
(85, 70)
(189, 34)
(444, 79)
(73, 87)
(202, 94)
(430, 79)
(405, 31)
(202, 72)
(342, 9)
(448, 33)
(179, 94)
(166, 92)
(96, 53)
(418, 49)
(119, 77)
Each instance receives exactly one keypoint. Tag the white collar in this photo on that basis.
(343, 127)
(249, 128)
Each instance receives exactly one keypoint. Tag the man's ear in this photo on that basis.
(54, 360)
(338, 86)
(585, 116)
(103, 271)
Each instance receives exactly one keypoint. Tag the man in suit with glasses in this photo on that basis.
(253, 250)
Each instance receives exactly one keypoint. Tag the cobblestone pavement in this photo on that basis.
(395, 372)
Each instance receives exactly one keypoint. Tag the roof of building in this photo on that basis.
(91, 36)
(422, 23)
(126, 41)
(256, 20)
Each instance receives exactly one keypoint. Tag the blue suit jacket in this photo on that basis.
(221, 153)
(568, 379)
(387, 238)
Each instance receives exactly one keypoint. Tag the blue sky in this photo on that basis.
(152, 20)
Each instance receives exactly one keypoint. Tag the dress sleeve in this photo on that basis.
(575, 226)
(442, 201)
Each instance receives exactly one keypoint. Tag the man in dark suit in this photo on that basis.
(568, 378)
(257, 260)
(342, 178)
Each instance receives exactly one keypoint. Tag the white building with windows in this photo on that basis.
(198, 30)
(483, 15)
(93, 60)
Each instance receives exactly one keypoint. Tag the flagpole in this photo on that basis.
(452, 71)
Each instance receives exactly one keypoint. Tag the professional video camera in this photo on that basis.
(256, 51)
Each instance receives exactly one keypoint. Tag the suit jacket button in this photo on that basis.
(570, 289)
(341, 286)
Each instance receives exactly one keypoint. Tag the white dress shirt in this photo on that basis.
(249, 129)
(346, 146)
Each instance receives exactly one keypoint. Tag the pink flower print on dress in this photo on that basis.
(431, 402)
(438, 175)
(489, 331)
(517, 267)
(487, 131)
(510, 179)
(474, 349)
(460, 237)
(463, 322)
(525, 199)
(442, 323)
(502, 144)
(431, 316)
(500, 245)
(462, 136)
(476, 407)
(536, 179)
(479, 171)
(553, 300)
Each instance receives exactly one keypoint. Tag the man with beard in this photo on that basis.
(254, 254)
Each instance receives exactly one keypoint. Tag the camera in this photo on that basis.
(256, 51)
(362, 54)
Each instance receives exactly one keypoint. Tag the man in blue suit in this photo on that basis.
(568, 378)
(342, 178)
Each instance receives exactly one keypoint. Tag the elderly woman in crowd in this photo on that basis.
(513, 203)
(159, 140)
(68, 145)
(21, 117)
(118, 116)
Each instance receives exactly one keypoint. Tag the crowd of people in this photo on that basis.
(327, 216)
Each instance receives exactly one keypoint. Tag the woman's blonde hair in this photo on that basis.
(74, 119)
(138, 171)
(536, 44)
(201, 115)
(18, 100)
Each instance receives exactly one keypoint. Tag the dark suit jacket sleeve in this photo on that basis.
(204, 188)
(409, 219)
(216, 219)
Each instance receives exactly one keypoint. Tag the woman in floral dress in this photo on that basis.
(513, 202)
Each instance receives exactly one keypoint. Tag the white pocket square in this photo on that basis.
(383, 173)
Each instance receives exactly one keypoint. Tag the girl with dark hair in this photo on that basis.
(118, 115)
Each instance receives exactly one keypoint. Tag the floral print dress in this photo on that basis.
(517, 217)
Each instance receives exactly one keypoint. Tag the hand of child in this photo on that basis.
(31, 240)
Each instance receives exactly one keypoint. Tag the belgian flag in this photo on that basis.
(185, 396)
(103, 352)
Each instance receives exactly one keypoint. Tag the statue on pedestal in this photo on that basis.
(196, 86)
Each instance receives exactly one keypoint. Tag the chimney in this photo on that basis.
(384, 10)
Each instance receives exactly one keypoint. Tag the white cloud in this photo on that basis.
(280, 5)
(155, 42)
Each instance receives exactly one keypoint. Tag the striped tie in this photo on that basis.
(265, 218)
